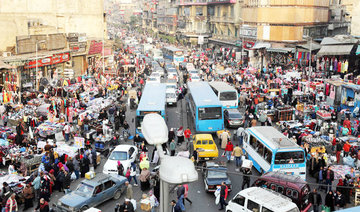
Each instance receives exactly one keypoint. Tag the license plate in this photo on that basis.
(206, 158)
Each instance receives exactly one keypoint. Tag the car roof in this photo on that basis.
(204, 136)
(97, 180)
(123, 147)
(213, 164)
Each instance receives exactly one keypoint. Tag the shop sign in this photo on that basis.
(248, 45)
(73, 37)
(82, 37)
(95, 47)
(55, 59)
(77, 47)
(238, 43)
(248, 32)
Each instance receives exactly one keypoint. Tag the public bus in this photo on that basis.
(204, 108)
(153, 100)
(174, 54)
(270, 150)
(156, 54)
(226, 93)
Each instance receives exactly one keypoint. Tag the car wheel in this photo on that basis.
(84, 208)
(228, 211)
(117, 195)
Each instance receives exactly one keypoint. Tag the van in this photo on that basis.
(291, 186)
(255, 199)
(171, 97)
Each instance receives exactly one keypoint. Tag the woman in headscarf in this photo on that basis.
(144, 179)
(330, 200)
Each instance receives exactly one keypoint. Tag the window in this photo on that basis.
(267, 155)
(211, 142)
(280, 189)
(229, 32)
(240, 200)
(273, 187)
(117, 155)
(205, 142)
(199, 11)
(253, 142)
(289, 157)
(289, 192)
(198, 142)
(260, 148)
(131, 151)
(253, 206)
(108, 184)
(266, 210)
(295, 194)
(206, 113)
(218, 12)
(98, 189)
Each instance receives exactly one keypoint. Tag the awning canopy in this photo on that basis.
(261, 45)
(281, 50)
(4, 65)
(335, 50)
(358, 50)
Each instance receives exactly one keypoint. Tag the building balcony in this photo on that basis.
(223, 19)
(221, 1)
(191, 2)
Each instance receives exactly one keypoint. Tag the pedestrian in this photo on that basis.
(145, 204)
(339, 201)
(238, 153)
(129, 191)
(240, 135)
(180, 196)
(315, 200)
(186, 186)
(246, 178)
(93, 157)
(120, 168)
(224, 136)
(228, 150)
(28, 196)
(43, 206)
(172, 147)
(175, 207)
(330, 200)
(329, 178)
(67, 181)
(180, 135)
(127, 206)
(133, 174)
(76, 163)
(11, 204)
(223, 195)
(187, 134)
(144, 179)
(67, 130)
(36, 185)
(171, 135)
(338, 151)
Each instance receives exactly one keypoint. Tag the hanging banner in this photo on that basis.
(55, 59)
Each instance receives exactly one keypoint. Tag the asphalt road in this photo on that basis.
(202, 201)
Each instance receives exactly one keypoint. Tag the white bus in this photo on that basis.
(226, 93)
(270, 150)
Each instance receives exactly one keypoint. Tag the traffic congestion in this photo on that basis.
(267, 140)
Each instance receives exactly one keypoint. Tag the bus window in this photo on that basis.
(267, 155)
(260, 148)
(253, 141)
(289, 157)
(273, 187)
(253, 206)
(295, 194)
(225, 96)
(289, 192)
(206, 113)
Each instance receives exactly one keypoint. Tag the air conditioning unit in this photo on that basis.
(6, 54)
(69, 64)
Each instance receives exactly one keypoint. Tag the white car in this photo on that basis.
(171, 96)
(124, 153)
(195, 78)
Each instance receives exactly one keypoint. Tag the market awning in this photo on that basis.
(281, 50)
(261, 45)
(358, 50)
(4, 65)
(335, 50)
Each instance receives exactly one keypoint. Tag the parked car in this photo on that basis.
(91, 193)
(123, 153)
(214, 175)
(260, 199)
(206, 146)
(233, 118)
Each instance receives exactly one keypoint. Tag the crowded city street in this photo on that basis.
(179, 106)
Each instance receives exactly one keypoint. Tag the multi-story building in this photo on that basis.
(193, 20)
(126, 9)
(28, 17)
(149, 15)
(285, 21)
(355, 19)
(339, 22)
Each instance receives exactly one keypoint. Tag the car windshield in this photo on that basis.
(229, 95)
(216, 174)
(170, 95)
(118, 155)
(235, 115)
(289, 157)
(85, 189)
(171, 86)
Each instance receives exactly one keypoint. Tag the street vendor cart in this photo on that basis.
(284, 113)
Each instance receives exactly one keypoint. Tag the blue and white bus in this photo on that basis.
(204, 108)
(174, 54)
(153, 100)
(270, 150)
(226, 93)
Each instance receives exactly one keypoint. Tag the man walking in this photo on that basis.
(237, 152)
(246, 178)
(172, 147)
(129, 191)
(315, 200)
(223, 195)
(180, 195)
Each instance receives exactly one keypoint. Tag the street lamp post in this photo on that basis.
(242, 41)
(173, 170)
(36, 62)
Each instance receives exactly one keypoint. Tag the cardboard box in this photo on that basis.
(90, 175)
